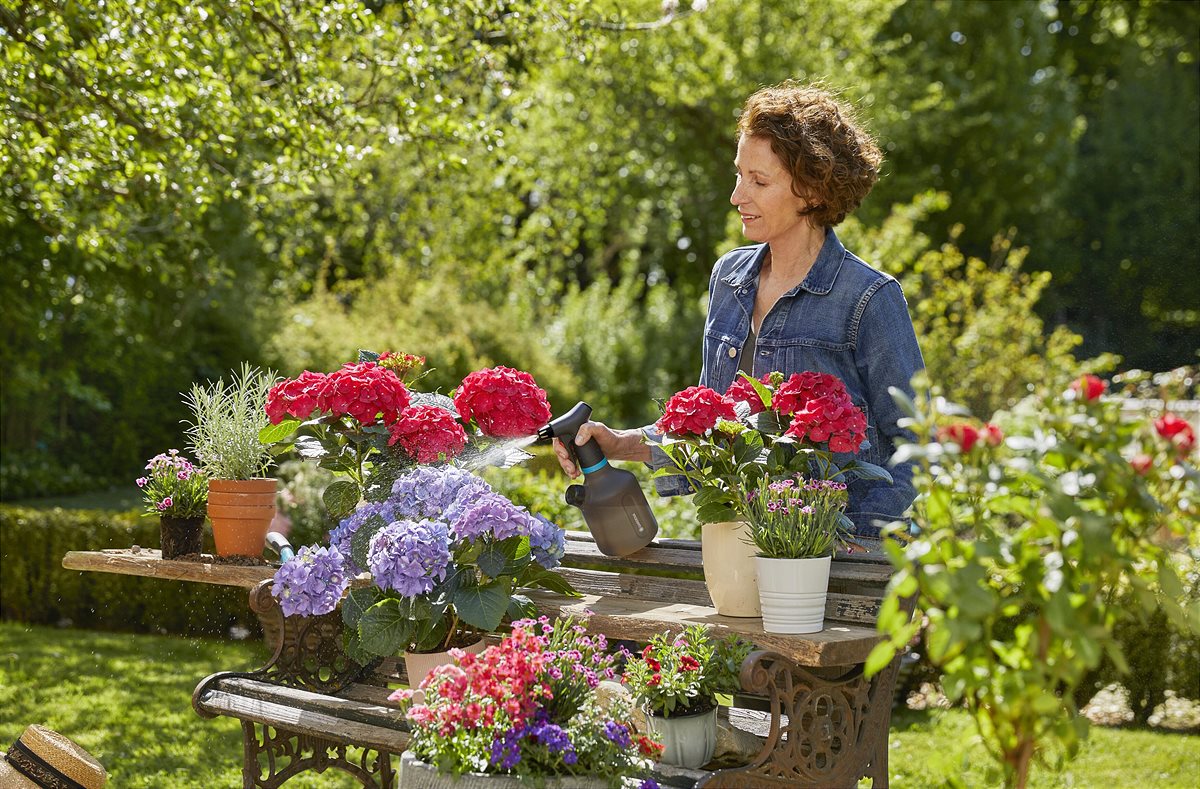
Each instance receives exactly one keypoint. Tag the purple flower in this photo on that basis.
(506, 749)
(435, 492)
(649, 783)
(165, 504)
(410, 556)
(312, 582)
(491, 513)
(548, 541)
(345, 531)
(141, 482)
(618, 733)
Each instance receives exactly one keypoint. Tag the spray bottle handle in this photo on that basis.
(589, 457)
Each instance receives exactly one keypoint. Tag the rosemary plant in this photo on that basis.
(226, 422)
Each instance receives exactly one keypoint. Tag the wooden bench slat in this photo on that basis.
(366, 708)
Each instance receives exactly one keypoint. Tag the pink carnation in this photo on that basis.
(427, 434)
(694, 411)
(503, 402)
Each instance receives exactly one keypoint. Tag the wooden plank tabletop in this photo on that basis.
(148, 562)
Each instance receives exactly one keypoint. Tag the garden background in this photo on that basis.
(545, 185)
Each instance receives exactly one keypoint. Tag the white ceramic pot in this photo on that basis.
(419, 664)
(793, 593)
(729, 570)
(688, 740)
(416, 774)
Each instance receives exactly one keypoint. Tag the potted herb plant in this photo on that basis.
(795, 526)
(224, 435)
(177, 492)
(677, 679)
(526, 712)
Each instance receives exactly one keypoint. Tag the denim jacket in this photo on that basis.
(846, 319)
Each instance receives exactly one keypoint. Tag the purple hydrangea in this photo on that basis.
(344, 532)
(434, 492)
(312, 582)
(548, 542)
(410, 557)
(492, 515)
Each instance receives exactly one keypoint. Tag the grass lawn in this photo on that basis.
(127, 699)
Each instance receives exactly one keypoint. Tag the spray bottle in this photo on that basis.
(611, 499)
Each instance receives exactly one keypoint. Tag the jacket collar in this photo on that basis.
(820, 277)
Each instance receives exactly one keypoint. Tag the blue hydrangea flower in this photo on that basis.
(410, 557)
(340, 537)
(548, 541)
(312, 582)
(433, 491)
(491, 514)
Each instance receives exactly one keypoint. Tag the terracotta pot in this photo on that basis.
(241, 513)
(729, 570)
(418, 664)
(180, 536)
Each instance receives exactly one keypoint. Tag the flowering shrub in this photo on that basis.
(761, 429)
(1040, 531)
(447, 557)
(795, 518)
(174, 487)
(364, 423)
(682, 674)
(527, 707)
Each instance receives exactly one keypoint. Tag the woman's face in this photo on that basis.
(763, 193)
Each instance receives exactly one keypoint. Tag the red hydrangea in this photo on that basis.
(1176, 430)
(695, 410)
(427, 434)
(830, 419)
(366, 392)
(962, 433)
(503, 402)
(297, 397)
(742, 391)
(1088, 387)
(794, 393)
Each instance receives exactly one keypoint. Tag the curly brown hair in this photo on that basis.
(832, 159)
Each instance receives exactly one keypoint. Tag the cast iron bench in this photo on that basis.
(823, 723)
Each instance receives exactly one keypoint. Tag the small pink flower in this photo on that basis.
(165, 504)
(141, 482)
(1142, 464)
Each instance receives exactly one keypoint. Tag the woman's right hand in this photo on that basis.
(615, 444)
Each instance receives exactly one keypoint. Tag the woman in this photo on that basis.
(797, 300)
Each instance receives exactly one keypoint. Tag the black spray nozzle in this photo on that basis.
(588, 457)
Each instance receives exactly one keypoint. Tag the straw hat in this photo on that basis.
(44, 759)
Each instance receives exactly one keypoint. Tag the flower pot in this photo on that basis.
(180, 536)
(241, 513)
(419, 664)
(416, 774)
(688, 740)
(729, 570)
(793, 593)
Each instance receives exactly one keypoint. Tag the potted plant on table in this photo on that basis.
(726, 445)
(795, 526)
(528, 711)
(177, 492)
(677, 679)
(224, 435)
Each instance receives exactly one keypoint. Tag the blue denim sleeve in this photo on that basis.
(676, 485)
(887, 354)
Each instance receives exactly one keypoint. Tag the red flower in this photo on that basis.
(992, 435)
(365, 391)
(695, 410)
(1141, 464)
(794, 393)
(654, 680)
(503, 402)
(1176, 430)
(961, 433)
(689, 663)
(822, 411)
(648, 747)
(427, 434)
(649, 650)
(1089, 387)
(742, 391)
(297, 397)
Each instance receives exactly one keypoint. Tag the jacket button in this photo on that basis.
(732, 352)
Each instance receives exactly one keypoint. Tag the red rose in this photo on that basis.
(961, 433)
(1089, 387)
(503, 402)
(797, 390)
(1142, 464)
(365, 391)
(992, 435)
(427, 434)
(297, 397)
(694, 411)
(742, 391)
(1176, 430)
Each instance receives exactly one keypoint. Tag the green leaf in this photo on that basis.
(384, 628)
(716, 513)
(861, 469)
(340, 498)
(763, 391)
(483, 607)
(352, 644)
(357, 602)
(536, 576)
(880, 657)
(275, 433)
(311, 448)
(521, 607)
(367, 356)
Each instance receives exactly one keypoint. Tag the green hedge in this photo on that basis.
(35, 588)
